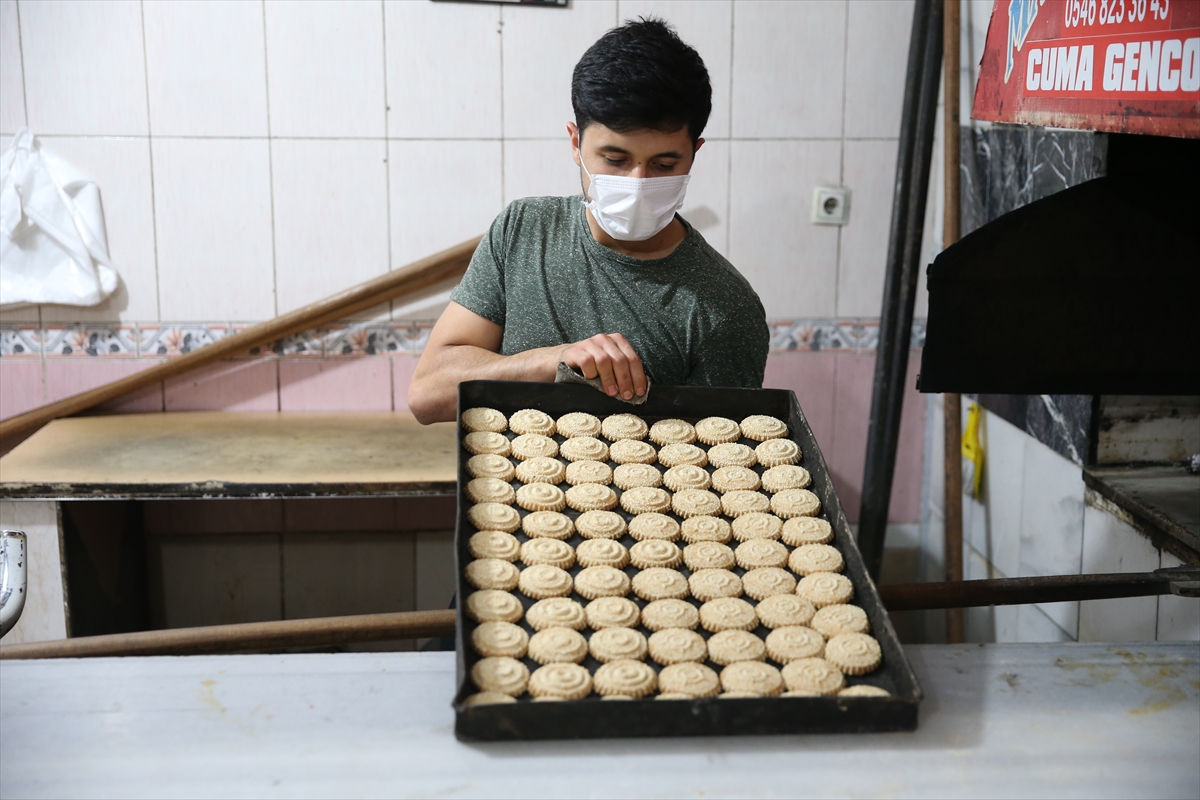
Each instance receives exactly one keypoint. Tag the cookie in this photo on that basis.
(686, 476)
(760, 428)
(728, 614)
(658, 583)
(809, 558)
(737, 502)
(560, 682)
(653, 525)
(708, 555)
(492, 605)
(483, 419)
(644, 499)
(631, 451)
(492, 573)
(617, 644)
(542, 469)
(623, 426)
(777, 452)
(584, 448)
(705, 529)
(731, 455)
(784, 610)
(675, 454)
(530, 420)
(489, 490)
(548, 525)
(709, 584)
(589, 472)
(672, 431)
(663, 695)
(489, 465)
(735, 479)
(499, 639)
(625, 678)
(558, 646)
(600, 525)
(695, 503)
(776, 479)
(832, 620)
(676, 645)
(791, 642)
(757, 525)
(726, 647)
(612, 612)
(591, 496)
(487, 698)
(767, 582)
(556, 612)
(541, 497)
(799, 531)
(593, 582)
(864, 690)
(554, 552)
(533, 445)
(689, 679)
(629, 476)
(739, 695)
(664, 614)
(494, 544)
(576, 424)
(853, 653)
(717, 430)
(760, 553)
(479, 442)
(544, 580)
(795, 503)
(500, 674)
(655, 553)
(814, 675)
(602, 553)
(755, 677)
(493, 517)
(825, 589)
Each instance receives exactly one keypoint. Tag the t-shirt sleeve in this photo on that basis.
(734, 353)
(482, 287)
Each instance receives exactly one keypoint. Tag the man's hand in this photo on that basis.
(610, 357)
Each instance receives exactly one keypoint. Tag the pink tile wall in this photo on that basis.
(811, 377)
(226, 386)
(403, 368)
(335, 384)
(70, 376)
(20, 386)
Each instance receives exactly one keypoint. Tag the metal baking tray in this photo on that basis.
(593, 718)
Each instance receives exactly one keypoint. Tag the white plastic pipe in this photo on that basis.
(13, 555)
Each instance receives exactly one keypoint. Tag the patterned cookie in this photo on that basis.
(658, 583)
(617, 644)
(484, 419)
(625, 678)
(489, 465)
(541, 470)
(731, 454)
(809, 558)
(672, 431)
(760, 553)
(755, 677)
(653, 525)
(795, 503)
(760, 428)
(577, 424)
(864, 690)
(757, 525)
(491, 605)
(738, 502)
(487, 442)
(591, 496)
(600, 525)
(776, 479)
(541, 497)
(726, 647)
(493, 517)
(644, 499)
(705, 529)
(533, 445)
(593, 582)
(489, 490)
(664, 614)
(676, 645)
(686, 476)
(740, 695)
(792, 642)
(777, 452)
(655, 553)
(589, 472)
(708, 555)
(695, 503)
(556, 612)
(547, 525)
(530, 420)
(784, 610)
(814, 675)
(728, 614)
(544, 580)
(674, 455)
(602, 553)
(853, 653)
(554, 552)
(735, 479)
(500, 674)
(628, 476)
(689, 679)
(494, 544)
(612, 612)
(492, 573)
(623, 426)
(709, 584)
(632, 451)
(799, 531)
(558, 646)
(560, 682)
(717, 430)
(825, 589)
(832, 620)
(486, 699)
(499, 639)
(767, 582)
(584, 448)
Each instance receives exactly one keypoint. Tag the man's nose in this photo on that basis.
(639, 171)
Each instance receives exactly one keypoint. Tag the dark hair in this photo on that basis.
(641, 75)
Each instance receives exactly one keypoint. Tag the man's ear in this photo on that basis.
(573, 130)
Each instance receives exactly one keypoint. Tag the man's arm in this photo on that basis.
(464, 346)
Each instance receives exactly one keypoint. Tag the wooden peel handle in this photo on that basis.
(418, 275)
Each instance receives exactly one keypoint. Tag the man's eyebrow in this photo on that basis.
(612, 148)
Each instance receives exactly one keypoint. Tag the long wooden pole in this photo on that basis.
(449, 263)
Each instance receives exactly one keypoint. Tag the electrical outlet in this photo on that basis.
(831, 205)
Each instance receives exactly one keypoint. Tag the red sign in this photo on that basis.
(1124, 66)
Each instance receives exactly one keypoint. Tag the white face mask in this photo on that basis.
(634, 209)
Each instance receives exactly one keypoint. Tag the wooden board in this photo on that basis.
(233, 454)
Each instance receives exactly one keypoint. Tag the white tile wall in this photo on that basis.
(12, 80)
(870, 173)
(706, 206)
(1111, 545)
(43, 619)
(1035, 626)
(1003, 479)
(539, 167)
(1178, 617)
(876, 63)
(206, 68)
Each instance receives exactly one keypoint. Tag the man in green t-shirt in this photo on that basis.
(613, 283)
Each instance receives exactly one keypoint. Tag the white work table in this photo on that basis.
(997, 721)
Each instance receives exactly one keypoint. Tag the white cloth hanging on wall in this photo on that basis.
(53, 246)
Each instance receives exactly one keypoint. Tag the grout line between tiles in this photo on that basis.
(503, 158)
(729, 150)
(387, 155)
(837, 264)
(270, 164)
(21, 55)
(153, 199)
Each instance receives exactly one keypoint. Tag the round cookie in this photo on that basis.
(740, 695)
(560, 682)
(758, 553)
(665, 614)
(799, 531)
(737, 502)
(674, 455)
(623, 426)
(530, 420)
(492, 605)
(533, 445)
(686, 476)
(493, 517)
(653, 525)
(767, 582)
(500, 674)
(492, 573)
(777, 452)
(486, 699)
(864, 690)
(541, 470)
(728, 614)
(708, 555)
(584, 448)
(760, 428)
(785, 610)
(556, 612)
(540, 497)
(709, 584)
(726, 647)
(576, 424)
(689, 679)
(484, 419)
(757, 525)
(494, 544)
(593, 582)
(558, 646)
(632, 451)
(589, 472)
(659, 583)
(731, 454)
(789, 643)
(672, 431)
(776, 479)
(625, 678)
(717, 430)
(591, 497)
(612, 612)
(479, 442)
(755, 677)
(602, 553)
(600, 525)
(832, 620)
(795, 503)
(489, 465)
(554, 552)
(809, 558)
(705, 529)
(617, 644)
(735, 479)
(644, 499)
(825, 589)
(676, 645)
(543, 580)
(655, 553)
(815, 675)
(548, 525)
(695, 503)
(629, 476)
(499, 639)
(853, 653)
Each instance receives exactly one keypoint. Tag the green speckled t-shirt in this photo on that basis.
(540, 275)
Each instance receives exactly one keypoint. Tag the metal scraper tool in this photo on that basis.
(567, 374)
